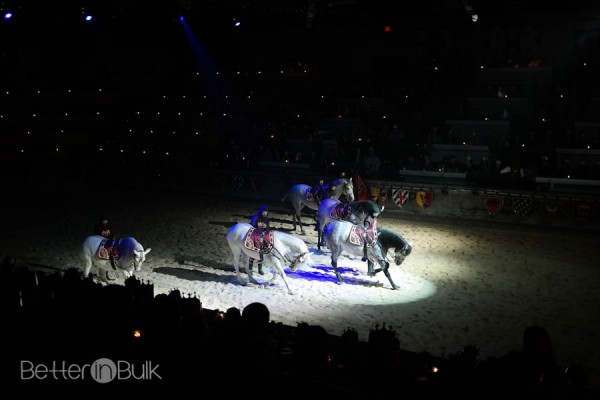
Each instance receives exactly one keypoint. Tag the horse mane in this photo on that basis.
(365, 207)
(388, 236)
(390, 239)
(289, 239)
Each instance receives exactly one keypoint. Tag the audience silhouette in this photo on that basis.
(188, 342)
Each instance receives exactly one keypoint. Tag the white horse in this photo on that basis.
(300, 197)
(130, 256)
(341, 236)
(355, 212)
(287, 248)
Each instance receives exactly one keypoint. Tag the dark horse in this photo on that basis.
(389, 239)
(343, 236)
(300, 196)
(355, 212)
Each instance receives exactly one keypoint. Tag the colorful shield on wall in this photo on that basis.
(400, 197)
(493, 204)
(424, 199)
(523, 206)
(550, 207)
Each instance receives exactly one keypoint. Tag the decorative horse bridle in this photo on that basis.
(389, 259)
(114, 263)
(346, 187)
(295, 260)
(117, 267)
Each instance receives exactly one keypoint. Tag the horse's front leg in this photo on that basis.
(246, 261)
(103, 275)
(387, 274)
(294, 220)
(319, 239)
(335, 269)
(278, 269)
(88, 266)
(300, 224)
(236, 266)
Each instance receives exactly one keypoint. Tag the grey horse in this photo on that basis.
(300, 197)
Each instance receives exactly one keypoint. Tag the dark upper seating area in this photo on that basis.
(522, 88)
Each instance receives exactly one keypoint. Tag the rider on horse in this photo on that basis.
(319, 192)
(261, 222)
(103, 228)
(370, 232)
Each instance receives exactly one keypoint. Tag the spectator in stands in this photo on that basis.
(500, 168)
(535, 62)
(426, 164)
(582, 171)
(255, 327)
(484, 166)
(595, 171)
(544, 168)
(451, 164)
(533, 369)
(357, 164)
(469, 167)
(412, 164)
(371, 164)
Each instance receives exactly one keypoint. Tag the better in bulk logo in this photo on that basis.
(103, 370)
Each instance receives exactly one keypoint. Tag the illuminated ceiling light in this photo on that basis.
(8, 15)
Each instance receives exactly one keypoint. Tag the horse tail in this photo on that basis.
(285, 196)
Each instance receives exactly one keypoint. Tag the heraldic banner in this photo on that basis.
(493, 204)
(400, 197)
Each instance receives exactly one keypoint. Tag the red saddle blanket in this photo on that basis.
(253, 241)
(358, 235)
(339, 211)
(107, 249)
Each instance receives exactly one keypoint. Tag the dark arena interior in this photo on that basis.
(474, 124)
